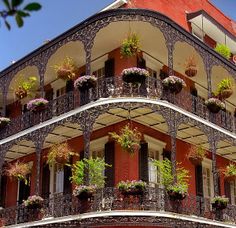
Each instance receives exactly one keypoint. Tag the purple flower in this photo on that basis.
(4, 120)
(36, 102)
(171, 80)
(83, 79)
(33, 200)
(215, 101)
(135, 70)
(83, 188)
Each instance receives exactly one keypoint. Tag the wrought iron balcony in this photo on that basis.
(115, 87)
(111, 199)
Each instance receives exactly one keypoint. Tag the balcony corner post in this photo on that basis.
(41, 65)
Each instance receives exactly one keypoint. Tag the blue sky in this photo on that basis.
(56, 17)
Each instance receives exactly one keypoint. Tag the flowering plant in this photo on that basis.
(85, 82)
(220, 202)
(133, 186)
(230, 170)
(33, 104)
(225, 88)
(59, 153)
(33, 201)
(18, 170)
(129, 139)
(67, 69)
(172, 80)
(196, 154)
(84, 190)
(191, 66)
(135, 71)
(4, 121)
(214, 104)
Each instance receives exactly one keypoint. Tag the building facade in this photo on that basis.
(170, 124)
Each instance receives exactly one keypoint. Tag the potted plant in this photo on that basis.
(196, 155)
(223, 50)
(191, 67)
(67, 70)
(59, 154)
(214, 104)
(178, 190)
(33, 202)
(128, 138)
(132, 187)
(134, 75)
(220, 202)
(84, 192)
(24, 86)
(85, 82)
(225, 89)
(95, 168)
(130, 46)
(4, 121)
(19, 170)
(173, 84)
(37, 104)
(230, 172)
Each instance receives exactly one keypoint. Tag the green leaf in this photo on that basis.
(23, 14)
(33, 6)
(7, 25)
(7, 4)
(16, 3)
(19, 20)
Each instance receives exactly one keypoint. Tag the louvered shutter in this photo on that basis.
(166, 154)
(199, 180)
(110, 159)
(67, 186)
(110, 68)
(143, 162)
(49, 94)
(227, 190)
(45, 181)
(69, 86)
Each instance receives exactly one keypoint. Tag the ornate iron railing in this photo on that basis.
(115, 87)
(110, 199)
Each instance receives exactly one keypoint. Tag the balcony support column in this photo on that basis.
(41, 64)
(208, 64)
(39, 146)
(213, 141)
(170, 47)
(5, 87)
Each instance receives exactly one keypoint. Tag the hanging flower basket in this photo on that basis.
(173, 84)
(191, 67)
(37, 104)
(83, 192)
(230, 172)
(21, 92)
(196, 161)
(224, 88)
(34, 202)
(214, 105)
(134, 75)
(85, 82)
(128, 138)
(226, 93)
(196, 155)
(132, 187)
(4, 121)
(220, 202)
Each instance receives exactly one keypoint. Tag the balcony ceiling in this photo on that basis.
(186, 132)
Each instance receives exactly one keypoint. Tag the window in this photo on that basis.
(152, 72)
(207, 179)
(152, 170)
(99, 73)
(56, 179)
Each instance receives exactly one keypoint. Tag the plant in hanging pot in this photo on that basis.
(37, 104)
(128, 138)
(230, 172)
(4, 121)
(59, 154)
(220, 202)
(214, 104)
(85, 82)
(130, 46)
(225, 89)
(34, 202)
(173, 84)
(67, 70)
(196, 155)
(134, 75)
(133, 187)
(178, 190)
(25, 86)
(95, 168)
(18, 170)
(191, 66)
(223, 50)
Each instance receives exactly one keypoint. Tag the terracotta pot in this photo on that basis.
(61, 160)
(219, 205)
(213, 108)
(21, 93)
(134, 78)
(176, 196)
(175, 88)
(191, 71)
(63, 73)
(195, 161)
(225, 94)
